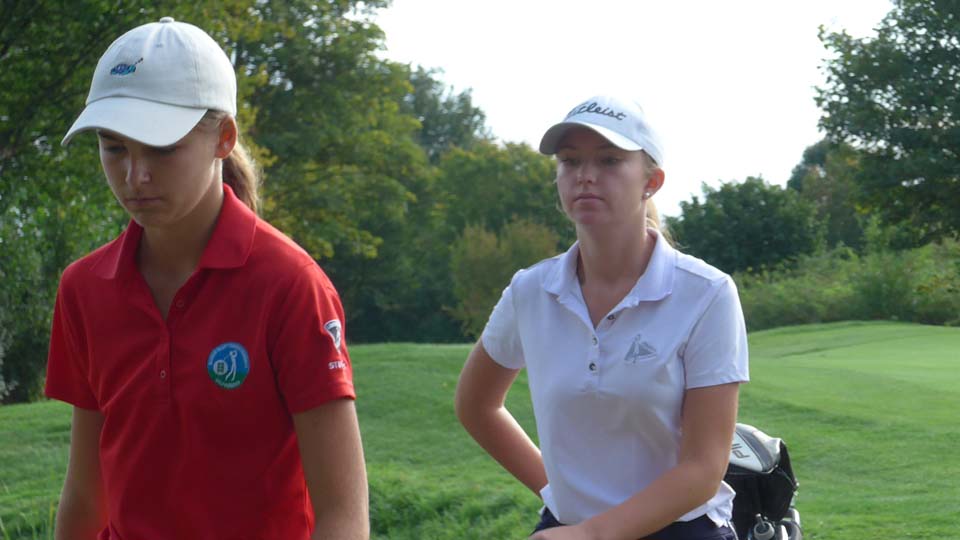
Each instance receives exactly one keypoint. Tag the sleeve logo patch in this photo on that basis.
(334, 328)
(228, 365)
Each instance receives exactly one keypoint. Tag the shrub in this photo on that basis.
(919, 285)
(482, 264)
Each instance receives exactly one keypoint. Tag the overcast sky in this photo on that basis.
(729, 84)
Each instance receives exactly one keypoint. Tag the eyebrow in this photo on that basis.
(106, 135)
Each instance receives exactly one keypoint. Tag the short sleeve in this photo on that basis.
(501, 337)
(309, 349)
(67, 364)
(716, 352)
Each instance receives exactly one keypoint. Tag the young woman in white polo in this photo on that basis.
(634, 354)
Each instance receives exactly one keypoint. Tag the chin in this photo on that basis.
(147, 220)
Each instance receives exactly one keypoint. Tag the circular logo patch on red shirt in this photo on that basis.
(228, 365)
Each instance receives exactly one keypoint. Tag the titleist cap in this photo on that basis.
(622, 122)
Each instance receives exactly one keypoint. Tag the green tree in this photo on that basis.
(447, 119)
(350, 181)
(826, 178)
(895, 98)
(483, 262)
(747, 225)
(491, 184)
(487, 186)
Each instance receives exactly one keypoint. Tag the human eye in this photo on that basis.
(569, 160)
(112, 147)
(610, 160)
(165, 150)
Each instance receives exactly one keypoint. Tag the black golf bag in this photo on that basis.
(761, 474)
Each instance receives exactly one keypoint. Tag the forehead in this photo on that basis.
(583, 138)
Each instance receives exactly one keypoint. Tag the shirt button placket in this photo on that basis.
(594, 357)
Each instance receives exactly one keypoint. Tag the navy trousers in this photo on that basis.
(702, 528)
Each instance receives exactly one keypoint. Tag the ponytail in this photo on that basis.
(653, 215)
(241, 174)
(239, 170)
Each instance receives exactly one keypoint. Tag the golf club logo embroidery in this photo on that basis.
(639, 349)
(334, 329)
(125, 69)
(228, 365)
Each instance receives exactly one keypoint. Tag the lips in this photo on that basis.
(138, 202)
(587, 196)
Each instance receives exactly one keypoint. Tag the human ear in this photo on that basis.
(227, 137)
(654, 182)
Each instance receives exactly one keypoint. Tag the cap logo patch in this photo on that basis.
(228, 365)
(125, 69)
(593, 108)
(334, 329)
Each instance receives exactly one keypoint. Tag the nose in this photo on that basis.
(138, 170)
(586, 173)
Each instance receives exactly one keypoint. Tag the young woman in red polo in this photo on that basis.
(202, 349)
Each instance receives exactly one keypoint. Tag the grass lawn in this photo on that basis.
(868, 410)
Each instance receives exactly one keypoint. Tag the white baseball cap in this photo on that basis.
(156, 82)
(620, 121)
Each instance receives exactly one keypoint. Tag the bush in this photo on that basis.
(919, 285)
(26, 300)
(482, 264)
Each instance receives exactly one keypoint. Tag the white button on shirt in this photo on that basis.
(609, 430)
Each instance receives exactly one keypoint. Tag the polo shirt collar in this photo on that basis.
(229, 245)
(655, 284)
(232, 239)
(563, 276)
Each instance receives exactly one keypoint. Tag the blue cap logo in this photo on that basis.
(228, 365)
(125, 69)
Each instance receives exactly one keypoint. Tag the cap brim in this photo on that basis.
(551, 139)
(147, 122)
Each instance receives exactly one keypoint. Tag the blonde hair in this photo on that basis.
(240, 172)
(653, 215)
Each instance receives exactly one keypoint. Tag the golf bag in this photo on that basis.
(761, 474)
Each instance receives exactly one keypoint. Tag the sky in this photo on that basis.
(729, 85)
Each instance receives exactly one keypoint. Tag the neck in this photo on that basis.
(177, 249)
(614, 256)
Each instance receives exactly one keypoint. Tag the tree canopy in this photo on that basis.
(896, 98)
(826, 177)
(747, 225)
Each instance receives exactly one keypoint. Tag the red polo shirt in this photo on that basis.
(198, 439)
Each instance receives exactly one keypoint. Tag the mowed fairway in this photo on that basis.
(869, 411)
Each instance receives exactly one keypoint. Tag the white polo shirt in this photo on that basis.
(607, 400)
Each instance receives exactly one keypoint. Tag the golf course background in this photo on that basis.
(869, 412)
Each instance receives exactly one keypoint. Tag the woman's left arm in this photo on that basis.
(332, 454)
(708, 420)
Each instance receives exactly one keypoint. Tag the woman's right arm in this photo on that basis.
(82, 513)
(481, 392)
